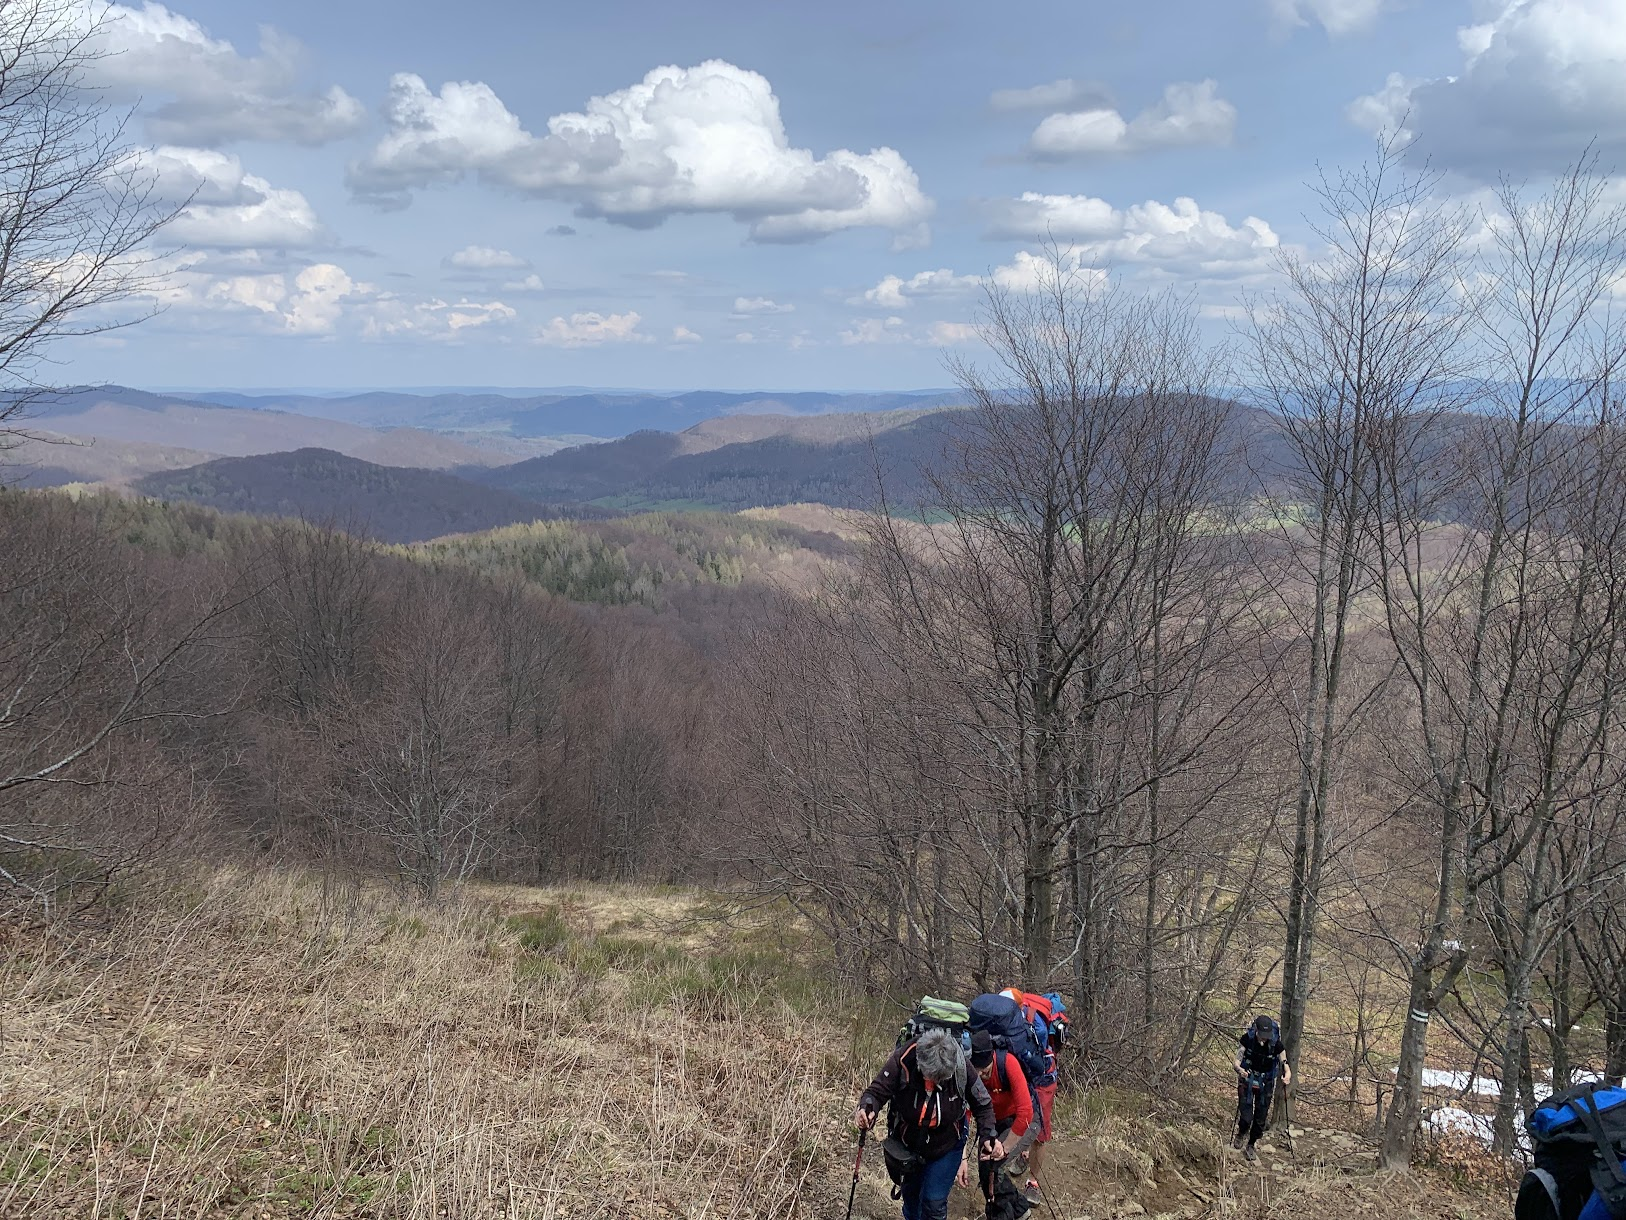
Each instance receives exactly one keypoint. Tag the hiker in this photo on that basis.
(931, 1095)
(1260, 1058)
(1001, 1073)
(1046, 1014)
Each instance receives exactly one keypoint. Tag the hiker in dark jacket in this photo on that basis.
(931, 1097)
(1260, 1059)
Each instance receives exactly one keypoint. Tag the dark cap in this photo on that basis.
(982, 1049)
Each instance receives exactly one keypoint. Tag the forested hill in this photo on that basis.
(736, 462)
(742, 462)
(391, 504)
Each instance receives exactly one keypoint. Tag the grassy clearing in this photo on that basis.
(262, 1044)
(269, 1048)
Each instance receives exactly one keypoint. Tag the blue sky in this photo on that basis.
(742, 195)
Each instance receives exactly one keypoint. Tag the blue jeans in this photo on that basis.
(926, 1195)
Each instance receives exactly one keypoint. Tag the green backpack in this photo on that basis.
(932, 1013)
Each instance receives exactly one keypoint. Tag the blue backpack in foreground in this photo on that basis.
(1578, 1139)
(1002, 1017)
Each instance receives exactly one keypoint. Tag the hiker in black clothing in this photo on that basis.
(1260, 1059)
(933, 1097)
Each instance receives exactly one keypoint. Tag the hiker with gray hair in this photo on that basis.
(932, 1096)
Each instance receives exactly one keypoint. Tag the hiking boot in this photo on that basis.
(1032, 1194)
(1249, 1154)
(1016, 1166)
(1238, 1142)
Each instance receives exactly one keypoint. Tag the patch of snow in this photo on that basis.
(1461, 1082)
(1449, 1120)
(1580, 1076)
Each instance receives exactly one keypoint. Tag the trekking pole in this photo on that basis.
(852, 1194)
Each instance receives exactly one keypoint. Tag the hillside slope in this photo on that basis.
(51, 459)
(742, 462)
(280, 1045)
(391, 504)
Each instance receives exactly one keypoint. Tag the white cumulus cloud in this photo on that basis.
(1064, 217)
(1540, 79)
(682, 334)
(950, 334)
(895, 292)
(1337, 17)
(318, 299)
(1178, 240)
(1189, 113)
(703, 139)
(391, 317)
(229, 208)
(745, 307)
(484, 258)
(216, 94)
(592, 329)
(875, 330)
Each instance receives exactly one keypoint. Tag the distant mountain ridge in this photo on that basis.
(118, 413)
(751, 461)
(392, 504)
(594, 413)
(741, 462)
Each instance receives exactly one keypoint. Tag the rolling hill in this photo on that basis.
(118, 414)
(50, 459)
(740, 462)
(392, 504)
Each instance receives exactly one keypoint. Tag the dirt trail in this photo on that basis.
(1140, 1169)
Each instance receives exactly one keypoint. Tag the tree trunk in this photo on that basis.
(1615, 1035)
(1504, 1139)
(1400, 1128)
(1427, 990)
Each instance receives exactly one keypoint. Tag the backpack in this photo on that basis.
(933, 1013)
(1272, 1047)
(1578, 1138)
(1058, 1019)
(1001, 1199)
(1047, 1014)
(1011, 1031)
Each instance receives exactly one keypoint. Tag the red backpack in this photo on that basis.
(1047, 1016)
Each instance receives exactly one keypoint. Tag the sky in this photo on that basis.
(743, 195)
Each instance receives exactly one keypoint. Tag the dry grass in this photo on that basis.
(275, 1050)
(265, 1045)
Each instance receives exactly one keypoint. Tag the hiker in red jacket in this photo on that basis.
(1008, 1087)
(932, 1097)
(1044, 1091)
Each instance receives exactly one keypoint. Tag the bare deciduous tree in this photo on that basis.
(422, 752)
(1366, 339)
(1497, 635)
(77, 205)
(92, 649)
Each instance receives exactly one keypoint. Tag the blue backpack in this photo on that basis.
(1002, 1017)
(1578, 1140)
